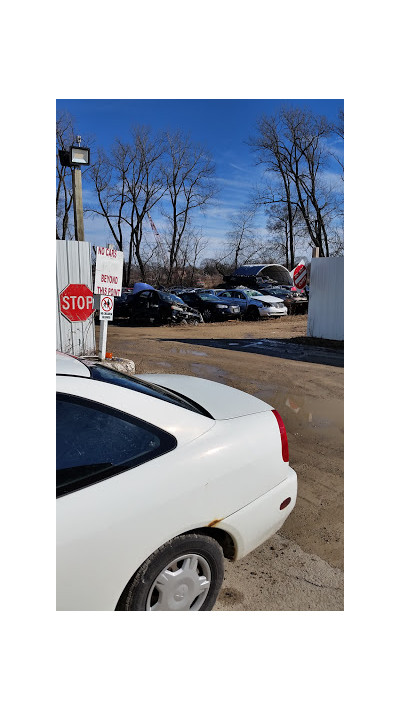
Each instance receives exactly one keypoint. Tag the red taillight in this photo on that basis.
(284, 440)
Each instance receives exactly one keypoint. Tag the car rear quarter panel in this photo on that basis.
(107, 530)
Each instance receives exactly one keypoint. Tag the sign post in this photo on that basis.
(107, 283)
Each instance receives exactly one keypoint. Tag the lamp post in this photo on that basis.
(74, 158)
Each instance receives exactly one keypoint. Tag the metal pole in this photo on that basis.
(103, 339)
(78, 203)
(315, 252)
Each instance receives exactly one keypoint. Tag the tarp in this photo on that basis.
(140, 286)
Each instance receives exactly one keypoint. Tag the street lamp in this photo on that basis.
(74, 158)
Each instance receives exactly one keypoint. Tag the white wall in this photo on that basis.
(326, 304)
(73, 266)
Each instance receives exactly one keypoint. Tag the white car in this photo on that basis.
(158, 478)
(254, 304)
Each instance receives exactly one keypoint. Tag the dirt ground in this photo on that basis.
(301, 567)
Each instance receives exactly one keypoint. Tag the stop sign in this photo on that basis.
(76, 302)
(300, 276)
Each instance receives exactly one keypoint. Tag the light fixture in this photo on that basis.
(76, 155)
(79, 155)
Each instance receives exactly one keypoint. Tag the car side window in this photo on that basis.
(143, 297)
(95, 442)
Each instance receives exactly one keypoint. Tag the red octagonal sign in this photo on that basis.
(300, 276)
(76, 302)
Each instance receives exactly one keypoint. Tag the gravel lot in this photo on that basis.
(301, 567)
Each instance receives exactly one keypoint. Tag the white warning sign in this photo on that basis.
(108, 275)
(106, 308)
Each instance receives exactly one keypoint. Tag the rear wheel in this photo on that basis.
(185, 574)
(207, 315)
(253, 313)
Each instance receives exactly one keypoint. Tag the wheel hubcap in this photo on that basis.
(181, 585)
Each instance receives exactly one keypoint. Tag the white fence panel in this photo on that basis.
(73, 266)
(326, 305)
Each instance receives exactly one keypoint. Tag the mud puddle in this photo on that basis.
(210, 372)
(300, 412)
(278, 348)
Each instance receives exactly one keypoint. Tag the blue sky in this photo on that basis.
(222, 126)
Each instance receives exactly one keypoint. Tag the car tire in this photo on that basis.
(207, 315)
(253, 314)
(184, 574)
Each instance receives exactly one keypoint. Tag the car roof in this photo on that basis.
(69, 365)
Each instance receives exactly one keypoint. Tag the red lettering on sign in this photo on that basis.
(76, 302)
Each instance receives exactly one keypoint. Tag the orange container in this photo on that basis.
(108, 355)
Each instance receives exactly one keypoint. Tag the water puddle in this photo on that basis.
(211, 372)
(303, 411)
(188, 351)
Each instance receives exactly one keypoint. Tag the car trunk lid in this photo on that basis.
(221, 401)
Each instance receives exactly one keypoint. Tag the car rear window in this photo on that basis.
(107, 375)
(96, 442)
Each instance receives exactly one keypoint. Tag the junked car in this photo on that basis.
(295, 301)
(159, 478)
(154, 307)
(255, 305)
(211, 307)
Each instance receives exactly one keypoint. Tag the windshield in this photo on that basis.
(278, 292)
(171, 298)
(208, 297)
(252, 292)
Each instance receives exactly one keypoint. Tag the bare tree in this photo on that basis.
(128, 184)
(284, 235)
(64, 139)
(243, 242)
(308, 157)
(189, 179)
(273, 153)
(192, 245)
(294, 145)
(338, 129)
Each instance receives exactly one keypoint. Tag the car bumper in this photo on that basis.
(252, 525)
(277, 312)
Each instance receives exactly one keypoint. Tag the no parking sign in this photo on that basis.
(106, 308)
